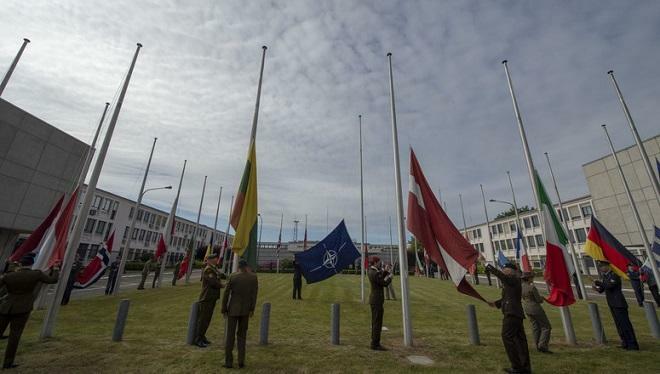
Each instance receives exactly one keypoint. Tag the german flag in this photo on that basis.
(244, 214)
(603, 246)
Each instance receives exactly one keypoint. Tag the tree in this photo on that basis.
(510, 212)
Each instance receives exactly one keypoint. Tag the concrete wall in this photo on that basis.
(609, 197)
(38, 163)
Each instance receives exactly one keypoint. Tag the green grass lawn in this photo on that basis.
(154, 339)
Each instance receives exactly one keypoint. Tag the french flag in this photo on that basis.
(96, 268)
(521, 254)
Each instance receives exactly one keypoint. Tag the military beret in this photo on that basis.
(212, 256)
(242, 264)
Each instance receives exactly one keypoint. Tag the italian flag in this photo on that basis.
(244, 213)
(558, 263)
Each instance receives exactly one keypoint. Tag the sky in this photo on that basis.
(195, 82)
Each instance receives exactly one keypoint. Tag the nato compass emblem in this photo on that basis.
(330, 258)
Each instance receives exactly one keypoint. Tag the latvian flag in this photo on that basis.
(168, 231)
(44, 232)
(603, 246)
(441, 239)
(95, 269)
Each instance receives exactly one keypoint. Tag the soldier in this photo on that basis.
(513, 331)
(238, 303)
(175, 274)
(610, 283)
(649, 279)
(112, 277)
(145, 273)
(297, 281)
(531, 301)
(636, 283)
(15, 309)
(378, 278)
(389, 292)
(156, 273)
(211, 285)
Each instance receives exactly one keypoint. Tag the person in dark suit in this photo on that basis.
(15, 309)
(75, 269)
(610, 284)
(297, 281)
(238, 303)
(112, 277)
(636, 283)
(211, 285)
(513, 330)
(531, 301)
(379, 278)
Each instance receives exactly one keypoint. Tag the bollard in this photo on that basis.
(596, 324)
(473, 329)
(652, 317)
(265, 320)
(334, 324)
(120, 323)
(192, 323)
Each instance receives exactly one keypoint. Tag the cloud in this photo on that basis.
(195, 82)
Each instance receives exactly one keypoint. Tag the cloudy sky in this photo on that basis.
(195, 82)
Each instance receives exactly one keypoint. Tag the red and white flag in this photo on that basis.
(95, 269)
(431, 225)
(40, 234)
(168, 231)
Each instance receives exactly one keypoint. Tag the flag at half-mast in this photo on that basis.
(183, 269)
(441, 239)
(244, 213)
(168, 231)
(521, 253)
(40, 235)
(603, 246)
(558, 264)
(96, 268)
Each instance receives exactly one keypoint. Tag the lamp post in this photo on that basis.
(515, 209)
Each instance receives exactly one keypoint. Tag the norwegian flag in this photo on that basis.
(168, 231)
(431, 225)
(96, 268)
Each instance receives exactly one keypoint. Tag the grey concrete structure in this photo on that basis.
(38, 163)
(609, 197)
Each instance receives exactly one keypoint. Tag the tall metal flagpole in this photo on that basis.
(5, 80)
(580, 282)
(638, 140)
(460, 199)
(279, 243)
(72, 247)
(633, 206)
(176, 200)
(391, 245)
(227, 254)
(490, 240)
(217, 211)
(361, 216)
(518, 221)
(253, 134)
(129, 235)
(403, 259)
(564, 311)
(195, 233)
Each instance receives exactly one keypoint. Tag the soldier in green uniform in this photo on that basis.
(156, 273)
(15, 309)
(531, 301)
(379, 279)
(211, 286)
(175, 274)
(145, 272)
(238, 303)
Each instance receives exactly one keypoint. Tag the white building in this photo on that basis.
(113, 212)
(577, 213)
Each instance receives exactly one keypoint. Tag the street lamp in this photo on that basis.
(515, 209)
(156, 188)
(261, 226)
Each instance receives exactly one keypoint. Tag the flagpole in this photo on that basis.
(391, 245)
(518, 222)
(633, 206)
(279, 243)
(490, 240)
(226, 249)
(5, 80)
(403, 260)
(195, 233)
(176, 201)
(578, 276)
(638, 140)
(361, 216)
(564, 311)
(72, 247)
(217, 211)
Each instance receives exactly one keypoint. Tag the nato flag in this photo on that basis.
(329, 257)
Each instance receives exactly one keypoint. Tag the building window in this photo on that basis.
(530, 242)
(497, 245)
(535, 221)
(153, 219)
(539, 240)
(148, 239)
(509, 244)
(586, 210)
(89, 225)
(107, 232)
(526, 223)
(479, 234)
(493, 231)
(500, 230)
(100, 227)
(581, 235)
(97, 202)
(130, 214)
(178, 226)
(134, 234)
(106, 204)
(142, 234)
(512, 226)
(559, 215)
(571, 237)
(93, 250)
(140, 214)
(153, 237)
(126, 232)
(574, 212)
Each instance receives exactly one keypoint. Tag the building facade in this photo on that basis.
(110, 212)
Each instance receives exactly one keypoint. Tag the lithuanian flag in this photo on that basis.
(603, 246)
(244, 214)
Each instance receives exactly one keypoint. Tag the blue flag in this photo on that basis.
(501, 259)
(329, 257)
